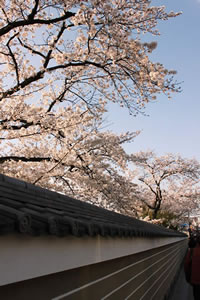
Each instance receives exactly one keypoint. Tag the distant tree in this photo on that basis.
(164, 218)
(168, 183)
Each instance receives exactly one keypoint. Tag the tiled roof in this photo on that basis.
(29, 209)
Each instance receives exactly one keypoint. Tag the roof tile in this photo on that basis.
(30, 209)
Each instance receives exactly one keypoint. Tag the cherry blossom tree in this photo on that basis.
(75, 158)
(168, 183)
(66, 52)
(61, 62)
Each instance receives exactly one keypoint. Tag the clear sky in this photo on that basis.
(173, 125)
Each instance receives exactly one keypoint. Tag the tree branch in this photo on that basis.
(24, 159)
(13, 57)
(32, 21)
(34, 11)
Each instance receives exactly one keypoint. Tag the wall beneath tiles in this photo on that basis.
(88, 268)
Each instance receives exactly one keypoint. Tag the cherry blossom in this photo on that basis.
(167, 183)
(61, 62)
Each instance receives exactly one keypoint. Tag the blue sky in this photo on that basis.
(173, 125)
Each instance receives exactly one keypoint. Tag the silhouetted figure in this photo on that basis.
(192, 265)
(190, 230)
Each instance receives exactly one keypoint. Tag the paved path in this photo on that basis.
(182, 290)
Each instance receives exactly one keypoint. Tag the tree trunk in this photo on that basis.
(157, 203)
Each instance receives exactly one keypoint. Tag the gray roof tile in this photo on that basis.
(29, 209)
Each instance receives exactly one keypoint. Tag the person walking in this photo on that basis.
(192, 266)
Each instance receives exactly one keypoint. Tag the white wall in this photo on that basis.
(24, 257)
